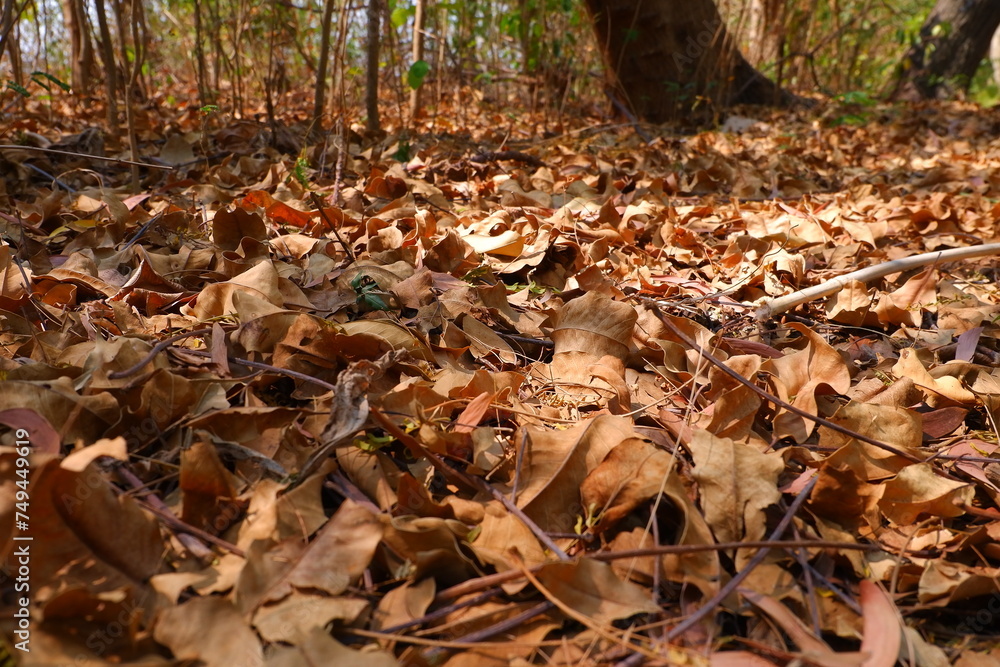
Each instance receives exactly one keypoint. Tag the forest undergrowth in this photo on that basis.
(491, 391)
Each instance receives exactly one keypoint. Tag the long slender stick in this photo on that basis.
(85, 155)
(318, 203)
(781, 304)
(489, 580)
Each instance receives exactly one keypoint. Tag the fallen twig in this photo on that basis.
(318, 203)
(188, 535)
(781, 304)
(159, 347)
(86, 155)
(490, 580)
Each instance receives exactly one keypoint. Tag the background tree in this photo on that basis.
(8, 23)
(666, 58)
(765, 21)
(319, 99)
(952, 43)
(371, 81)
(671, 57)
(418, 52)
(108, 57)
(81, 57)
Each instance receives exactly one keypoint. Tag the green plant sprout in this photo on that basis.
(584, 523)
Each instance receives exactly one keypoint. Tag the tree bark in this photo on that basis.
(767, 31)
(418, 52)
(319, 101)
(205, 95)
(995, 57)
(110, 66)
(953, 41)
(81, 49)
(671, 57)
(8, 28)
(371, 81)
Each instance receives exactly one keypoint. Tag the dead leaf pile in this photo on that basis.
(504, 411)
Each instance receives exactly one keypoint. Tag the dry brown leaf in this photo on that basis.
(211, 630)
(331, 562)
(591, 588)
(736, 483)
(554, 465)
(293, 619)
(917, 491)
(799, 377)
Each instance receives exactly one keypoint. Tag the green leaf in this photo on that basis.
(374, 302)
(18, 88)
(418, 72)
(402, 153)
(45, 75)
(399, 16)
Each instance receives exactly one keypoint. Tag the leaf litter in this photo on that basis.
(470, 403)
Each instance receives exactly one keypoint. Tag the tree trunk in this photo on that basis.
(670, 57)
(81, 50)
(110, 66)
(995, 57)
(418, 53)
(205, 95)
(319, 100)
(953, 41)
(8, 29)
(371, 82)
(767, 31)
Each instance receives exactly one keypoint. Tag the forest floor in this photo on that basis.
(498, 392)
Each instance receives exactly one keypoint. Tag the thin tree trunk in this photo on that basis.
(442, 40)
(205, 95)
(240, 12)
(418, 52)
(136, 22)
(527, 9)
(323, 65)
(110, 67)
(371, 81)
(8, 27)
(270, 80)
(340, 74)
(219, 61)
(81, 50)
